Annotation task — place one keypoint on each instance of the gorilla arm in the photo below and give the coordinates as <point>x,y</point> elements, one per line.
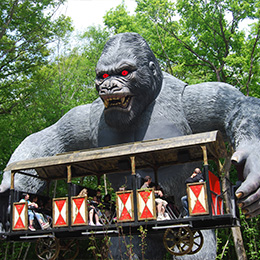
<point>71,132</point>
<point>219,106</point>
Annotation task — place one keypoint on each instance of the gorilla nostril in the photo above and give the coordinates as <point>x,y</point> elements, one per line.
<point>108,87</point>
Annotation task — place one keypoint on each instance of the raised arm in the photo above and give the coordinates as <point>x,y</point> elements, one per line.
<point>219,106</point>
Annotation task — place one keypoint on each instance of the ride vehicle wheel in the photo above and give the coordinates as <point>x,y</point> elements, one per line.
<point>47,248</point>
<point>69,249</point>
<point>197,242</point>
<point>178,241</point>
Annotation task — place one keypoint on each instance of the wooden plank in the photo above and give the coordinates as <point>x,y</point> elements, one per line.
<point>105,160</point>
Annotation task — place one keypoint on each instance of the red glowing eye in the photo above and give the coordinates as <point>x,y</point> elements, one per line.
<point>105,75</point>
<point>124,72</point>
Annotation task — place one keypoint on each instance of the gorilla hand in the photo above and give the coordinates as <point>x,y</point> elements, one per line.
<point>248,193</point>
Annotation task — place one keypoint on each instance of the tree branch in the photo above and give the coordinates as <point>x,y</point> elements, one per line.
<point>186,46</point>
<point>163,49</point>
<point>252,58</point>
<point>9,19</point>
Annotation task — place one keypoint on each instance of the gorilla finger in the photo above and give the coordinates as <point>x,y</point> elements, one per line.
<point>239,157</point>
<point>245,202</point>
<point>249,186</point>
<point>249,210</point>
<point>253,214</point>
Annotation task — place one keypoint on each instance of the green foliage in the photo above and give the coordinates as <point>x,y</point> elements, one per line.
<point>199,40</point>
<point>225,244</point>
<point>53,89</point>
<point>16,250</point>
<point>143,234</point>
<point>119,20</point>
<point>251,233</point>
<point>26,30</point>
<point>250,229</point>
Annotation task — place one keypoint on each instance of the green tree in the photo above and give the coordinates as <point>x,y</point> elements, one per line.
<point>69,80</point>
<point>27,28</point>
<point>199,40</point>
<point>66,81</point>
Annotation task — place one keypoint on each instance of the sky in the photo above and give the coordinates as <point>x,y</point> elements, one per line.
<point>85,13</point>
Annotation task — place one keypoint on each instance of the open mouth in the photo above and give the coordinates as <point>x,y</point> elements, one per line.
<point>121,102</point>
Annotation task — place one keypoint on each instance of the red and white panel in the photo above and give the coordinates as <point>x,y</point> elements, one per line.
<point>79,211</point>
<point>146,204</point>
<point>60,212</point>
<point>20,216</point>
<point>125,206</point>
<point>197,198</point>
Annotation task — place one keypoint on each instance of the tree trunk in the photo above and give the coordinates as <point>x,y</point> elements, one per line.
<point>236,231</point>
<point>239,245</point>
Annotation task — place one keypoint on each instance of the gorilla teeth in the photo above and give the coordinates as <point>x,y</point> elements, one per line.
<point>123,100</point>
<point>116,101</point>
<point>105,103</point>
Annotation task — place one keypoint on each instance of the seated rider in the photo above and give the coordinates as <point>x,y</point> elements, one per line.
<point>47,210</point>
<point>91,209</point>
<point>31,214</point>
<point>41,216</point>
<point>108,206</point>
<point>196,176</point>
<point>160,203</point>
<point>94,211</point>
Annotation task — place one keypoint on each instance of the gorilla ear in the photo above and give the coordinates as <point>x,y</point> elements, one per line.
<point>152,68</point>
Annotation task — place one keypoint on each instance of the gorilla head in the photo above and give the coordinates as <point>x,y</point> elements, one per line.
<point>128,79</point>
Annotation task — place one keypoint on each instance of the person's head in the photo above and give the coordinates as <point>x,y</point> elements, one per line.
<point>83,192</point>
<point>147,179</point>
<point>25,196</point>
<point>35,198</point>
<point>197,170</point>
<point>107,198</point>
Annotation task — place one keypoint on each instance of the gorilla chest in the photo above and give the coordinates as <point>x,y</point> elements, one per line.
<point>160,128</point>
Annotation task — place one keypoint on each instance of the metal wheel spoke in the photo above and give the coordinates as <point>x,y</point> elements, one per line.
<point>178,241</point>
<point>172,247</point>
<point>43,252</point>
<point>173,232</point>
<point>68,245</point>
<point>183,246</point>
<point>187,243</point>
<point>69,249</point>
<point>180,248</point>
<point>179,232</point>
<point>185,236</point>
<point>47,248</point>
<point>197,244</point>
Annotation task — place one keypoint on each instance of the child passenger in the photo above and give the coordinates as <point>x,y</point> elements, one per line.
<point>31,214</point>
<point>92,209</point>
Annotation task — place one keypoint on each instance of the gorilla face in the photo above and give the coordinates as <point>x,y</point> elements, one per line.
<point>128,79</point>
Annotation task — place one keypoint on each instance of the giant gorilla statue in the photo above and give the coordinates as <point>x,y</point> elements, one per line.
<point>138,102</point>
